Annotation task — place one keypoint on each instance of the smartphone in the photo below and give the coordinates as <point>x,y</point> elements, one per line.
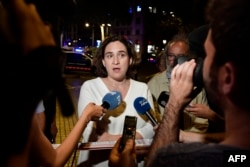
<point>129,130</point>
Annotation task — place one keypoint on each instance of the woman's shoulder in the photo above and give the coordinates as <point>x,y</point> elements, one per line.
<point>96,80</point>
<point>92,84</point>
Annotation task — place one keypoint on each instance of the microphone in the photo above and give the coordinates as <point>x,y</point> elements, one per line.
<point>142,106</point>
<point>163,99</point>
<point>111,100</point>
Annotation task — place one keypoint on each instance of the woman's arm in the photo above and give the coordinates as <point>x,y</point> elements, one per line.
<point>44,151</point>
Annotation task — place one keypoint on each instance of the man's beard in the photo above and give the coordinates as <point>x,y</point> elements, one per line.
<point>213,94</point>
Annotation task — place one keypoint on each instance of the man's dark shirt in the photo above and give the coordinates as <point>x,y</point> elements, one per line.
<point>194,155</point>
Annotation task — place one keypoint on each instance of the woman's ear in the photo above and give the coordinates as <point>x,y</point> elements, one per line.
<point>103,63</point>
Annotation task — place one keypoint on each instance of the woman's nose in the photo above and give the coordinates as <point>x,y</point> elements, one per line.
<point>116,59</point>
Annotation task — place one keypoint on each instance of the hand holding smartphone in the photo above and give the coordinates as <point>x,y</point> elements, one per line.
<point>129,130</point>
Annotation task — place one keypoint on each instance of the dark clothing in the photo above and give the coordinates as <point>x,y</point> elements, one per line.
<point>50,113</point>
<point>194,155</point>
<point>26,82</point>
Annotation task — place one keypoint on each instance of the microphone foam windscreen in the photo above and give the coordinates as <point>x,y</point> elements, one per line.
<point>141,105</point>
<point>113,98</point>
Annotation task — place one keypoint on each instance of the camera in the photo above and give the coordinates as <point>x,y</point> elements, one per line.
<point>197,77</point>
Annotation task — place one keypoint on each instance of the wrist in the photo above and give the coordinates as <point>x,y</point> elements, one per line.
<point>85,119</point>
<point>174,107</point>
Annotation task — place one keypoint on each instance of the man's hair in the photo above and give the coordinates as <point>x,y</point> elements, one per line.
<point>230,37</point>
<point>180,37</point>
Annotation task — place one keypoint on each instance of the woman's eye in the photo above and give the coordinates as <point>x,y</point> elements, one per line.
<point>122,54</point>
<point>109,55</point>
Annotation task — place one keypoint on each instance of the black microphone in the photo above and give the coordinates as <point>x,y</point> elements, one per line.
<point>163,99</point>
<point>142,106</point>
<point>111,100</point>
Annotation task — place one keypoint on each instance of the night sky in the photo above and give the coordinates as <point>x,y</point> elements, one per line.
<point>189,10</point>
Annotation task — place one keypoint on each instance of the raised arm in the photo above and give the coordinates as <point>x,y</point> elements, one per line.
<point>47,155</point>
<point>181,93</point>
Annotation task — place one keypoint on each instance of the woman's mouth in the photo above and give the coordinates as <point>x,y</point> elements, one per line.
<point>116,69</point>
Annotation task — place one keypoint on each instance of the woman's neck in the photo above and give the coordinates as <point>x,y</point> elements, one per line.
<point>115,85</point>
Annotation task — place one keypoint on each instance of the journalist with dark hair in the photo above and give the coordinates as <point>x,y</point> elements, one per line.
<point>36,69</point>
<point>226,80</point>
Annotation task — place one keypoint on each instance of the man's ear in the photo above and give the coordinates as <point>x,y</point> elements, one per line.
<point>227,77</point>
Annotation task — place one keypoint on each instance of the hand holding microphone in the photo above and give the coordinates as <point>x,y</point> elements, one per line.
<point>142,106</point>
<point>111,100</point>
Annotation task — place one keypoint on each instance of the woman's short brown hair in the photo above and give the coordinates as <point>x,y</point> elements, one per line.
<point>100,70</point>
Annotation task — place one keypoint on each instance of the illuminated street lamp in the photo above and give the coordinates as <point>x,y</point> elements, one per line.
<point>102,31</point>
<point>93,33</point>
<point>103,34</point>
<point>107,29</point>
<point>164,41</point>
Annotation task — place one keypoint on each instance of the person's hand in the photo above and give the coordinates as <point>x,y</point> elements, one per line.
<point>93,111</point>
<point>125,158</point>
<point>200,110</point>
<point>204,111</point>
<point>155,127</point>
<point>186,137</point>
<point>29,29</point>
<point>181,84</point>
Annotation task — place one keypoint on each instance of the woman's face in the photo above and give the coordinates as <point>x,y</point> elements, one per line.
<point>116,60</point>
